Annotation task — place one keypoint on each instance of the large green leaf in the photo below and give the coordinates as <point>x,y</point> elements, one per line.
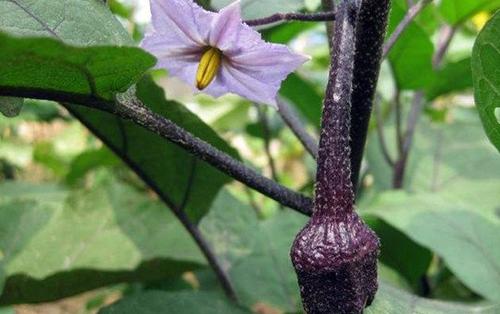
<point>179,178</point>
<point>269,266</point>
<point>457,11</point>
<point>184,302</point>
<point>465,235</point>
<point>390,300</point>
<point>486,74</point>
<point>442,156</point>
<point>266,264</point>
<point>56,242</point>
<point>81,23</point>
<point>411,56</point>
<point>45,64</point>
<point>229,227</point>
<point>400,253</point>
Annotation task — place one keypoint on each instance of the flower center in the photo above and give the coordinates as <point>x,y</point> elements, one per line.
<point>209,66</point>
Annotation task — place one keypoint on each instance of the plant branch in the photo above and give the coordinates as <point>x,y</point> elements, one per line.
<point>279,17</point>
<point>262,113</point>
<point>178,210</point>
<point>292,120</point>
<point>135,111</point>
<point>329,6</point>
<point>381,134</point>
<point>205,248</point>
<point>398,117</point>
<point>413,11</point>
<point>416,110</point>
<point>413,117</point>
<point>370,33</point>
<point>446,35</point>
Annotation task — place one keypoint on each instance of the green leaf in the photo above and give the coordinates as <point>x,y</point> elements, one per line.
<point>179,178</point>
<point>443,156</point>
<point>415,261</point>
<point>390,300</point>
<point>230,228</point>
<point>99,72</point>
<point>453,77</point>
<point>284,33</point>
<point>56,243</point>
<point>11,106</point>
<point>465,235</point>
<point>304,96</point>
<point>187,302</point>
<point>252,9</point>
<point>90,160</point>
<point>269,266</point>
<point>57,19</point>
<point>457,11</point>
<point>411,56</point>
<point>486,76</point>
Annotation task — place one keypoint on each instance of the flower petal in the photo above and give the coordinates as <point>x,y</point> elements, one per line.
<point>233,80</point>
<point>268,62</point>
<point>183,69</point>
<point>184,18</point>
<point>225,27</point>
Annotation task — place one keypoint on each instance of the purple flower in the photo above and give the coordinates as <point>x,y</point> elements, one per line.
<point>217,52</point>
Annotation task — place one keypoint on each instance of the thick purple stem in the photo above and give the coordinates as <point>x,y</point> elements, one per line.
<point>334,193</point>
<point>335,255</point>
<point>370,33</point>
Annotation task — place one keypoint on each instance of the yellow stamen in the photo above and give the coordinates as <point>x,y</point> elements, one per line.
<point>208,67</point>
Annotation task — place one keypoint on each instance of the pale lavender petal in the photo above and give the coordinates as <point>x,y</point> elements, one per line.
<point>270,63</point>
<point>182,69</point>
<point>250,67</point>
<point>175,56</point>
<point>182,18</point>
<point>232,80</point>
<point>225,27</point>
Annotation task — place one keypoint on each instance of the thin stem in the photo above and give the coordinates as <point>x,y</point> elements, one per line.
<point>132,109</point>
<point>413,11</point>
<point>329,6</point>
<point>177,210</point>
<point>417,107</point>
<point>292,120</point>
<point>279,17</point>
<point>205,248</point>
<point>370,34</point>
<point>252,202</point>
<point>262,113</point>
<point>381,134</point>
<point>446,35</point>
<point>398,116</point>
<point>413,117</point>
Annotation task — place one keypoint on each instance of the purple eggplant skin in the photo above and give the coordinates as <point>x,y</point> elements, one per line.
<point>335,254</point>
<point>336,265</point>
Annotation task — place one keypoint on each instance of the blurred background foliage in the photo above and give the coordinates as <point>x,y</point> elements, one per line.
<point>79,230</point>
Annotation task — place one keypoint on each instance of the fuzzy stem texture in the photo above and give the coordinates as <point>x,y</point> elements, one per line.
<point>305,17</point>
<point>335,255</point>
<point>370,33</point>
